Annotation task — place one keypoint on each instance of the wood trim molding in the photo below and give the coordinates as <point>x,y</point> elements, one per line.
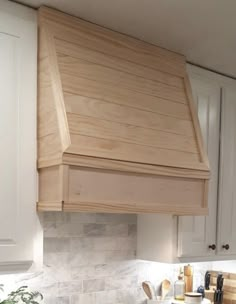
<point>50,206</point>
<point>102,163</point>
<point>56,86</point>
<point>116,208</point>
<point>196,123</point>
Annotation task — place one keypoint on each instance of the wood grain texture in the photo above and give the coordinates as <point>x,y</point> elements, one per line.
<point>130,167</point>
<point>229,286</point>
<point>105,85</point>
<point>48,130</point>
<point>126,132</point>
<point>117,95</point>
<point>113,149</point>
<point>96,37</point>
<point>111,207</point>
<point>78,50</point>
<point>82,189</point>
<point>75,67</point>
<point>121,102</point>
<point>97,108</point>
<point>196,124</point>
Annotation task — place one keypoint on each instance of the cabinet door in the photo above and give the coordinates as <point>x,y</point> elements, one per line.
<point>227,185</point>
<point>196,233</point>
<point>18,62</point>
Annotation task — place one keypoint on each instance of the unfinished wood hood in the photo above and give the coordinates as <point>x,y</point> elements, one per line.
<point>117,128</point>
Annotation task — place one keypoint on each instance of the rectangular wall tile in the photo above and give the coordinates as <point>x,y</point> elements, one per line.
<point>94,285</point>
<point>91,259</point>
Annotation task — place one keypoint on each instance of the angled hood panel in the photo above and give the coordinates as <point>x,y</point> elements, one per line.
<point>108,101</point>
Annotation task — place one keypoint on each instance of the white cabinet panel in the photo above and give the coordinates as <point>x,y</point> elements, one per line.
<point>9,139</point>
<point>18,65</point>
<point>227,186</point>
<point>195,234</point>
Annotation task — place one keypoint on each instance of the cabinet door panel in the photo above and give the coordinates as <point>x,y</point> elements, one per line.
<point>9,139</point>
<point>18,53</point>
<point>195,234</point>
<point>227,185</point>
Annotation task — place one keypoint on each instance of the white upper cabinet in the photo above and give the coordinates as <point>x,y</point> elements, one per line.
<point>197,233</point>
<point>212,237</point>
<point>215,96</point>
<point>227,185</point>
<point>18,66</point>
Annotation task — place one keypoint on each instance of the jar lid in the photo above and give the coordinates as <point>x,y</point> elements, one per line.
<point>193,294</point>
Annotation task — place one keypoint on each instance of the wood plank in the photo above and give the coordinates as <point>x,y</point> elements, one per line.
<point>115,94</point>
<point>75,29</point>
<point>113,112</point>
<point>50,206</point>
<point>74,67</point>
<point>129,191</point>
<point>85,206</point>
<point>131,134</point>
<point>47,118</point>
<point>196,124</point>
<point>56,87</point>
<point>91,146</point>
<point>124,166</point>
<point>51,184</point>
<point>76,49</point>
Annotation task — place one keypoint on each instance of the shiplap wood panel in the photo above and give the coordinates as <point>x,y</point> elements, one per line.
<point>125,132</point>
<point>65,27</point>
<point>119,103</point>
<point>97,108</point>
<point>113,149</point>
<point>114,94</point>
<point>75,67</point>
<point>76,50</point>
<point>78,73</point>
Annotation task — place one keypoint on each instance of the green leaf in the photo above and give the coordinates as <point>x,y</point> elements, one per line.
<point>23,295</point>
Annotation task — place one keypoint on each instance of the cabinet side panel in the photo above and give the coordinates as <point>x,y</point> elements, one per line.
<point>18,80</point>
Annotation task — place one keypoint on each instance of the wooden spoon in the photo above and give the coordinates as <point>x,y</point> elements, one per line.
<point>149,290</point>
<point>165,288</point>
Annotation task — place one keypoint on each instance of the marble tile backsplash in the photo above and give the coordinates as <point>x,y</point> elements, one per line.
<point>91,259</point>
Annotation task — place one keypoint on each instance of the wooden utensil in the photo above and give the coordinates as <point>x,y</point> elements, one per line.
<point>165,288</point>
<point>149,290</point>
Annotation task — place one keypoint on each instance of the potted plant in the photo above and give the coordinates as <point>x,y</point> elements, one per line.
<point>22,295</point>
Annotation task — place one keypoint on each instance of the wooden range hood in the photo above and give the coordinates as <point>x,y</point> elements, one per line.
<point>117,128</point>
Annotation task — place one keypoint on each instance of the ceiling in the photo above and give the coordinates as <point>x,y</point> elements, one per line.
<point>203,30</point>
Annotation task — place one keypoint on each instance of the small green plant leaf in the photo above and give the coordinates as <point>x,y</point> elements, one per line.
<point>23,295</point>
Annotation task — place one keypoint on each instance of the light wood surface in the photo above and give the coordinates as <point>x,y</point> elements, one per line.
<point>115,99</point>
<point>229,286</point>
<point>72,188</point>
